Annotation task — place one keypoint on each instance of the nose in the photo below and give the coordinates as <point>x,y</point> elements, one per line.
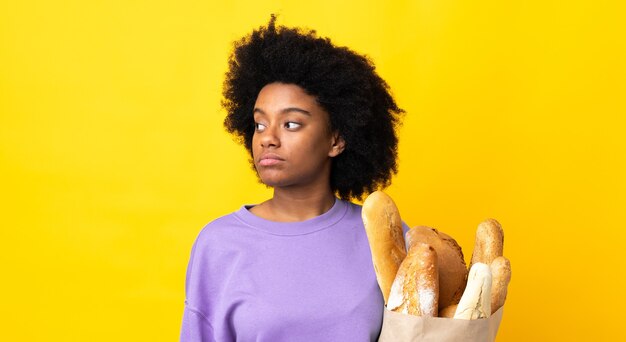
<point>269,137</point>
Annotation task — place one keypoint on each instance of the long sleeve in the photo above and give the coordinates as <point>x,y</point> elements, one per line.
<point>195,327</point>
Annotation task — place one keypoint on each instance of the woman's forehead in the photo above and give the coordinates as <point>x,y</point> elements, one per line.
<point>282,98</point>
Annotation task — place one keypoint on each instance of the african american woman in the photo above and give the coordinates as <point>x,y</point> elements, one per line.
<point>320,126</point>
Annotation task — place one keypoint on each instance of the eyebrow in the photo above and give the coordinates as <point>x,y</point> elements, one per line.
<point>286,110</point>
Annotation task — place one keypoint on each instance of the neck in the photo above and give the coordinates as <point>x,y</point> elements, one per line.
<point>300,204</point>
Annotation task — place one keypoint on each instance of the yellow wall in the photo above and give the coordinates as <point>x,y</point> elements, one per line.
<point>113,157</point>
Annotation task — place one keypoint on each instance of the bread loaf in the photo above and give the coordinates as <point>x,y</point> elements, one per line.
<point>448,311</point>
<point>451,264</point>
<point>416,287</point>
<point>476,300</point>
<point>500,278</point>
<point>489,242</point>
<point>383,226</point>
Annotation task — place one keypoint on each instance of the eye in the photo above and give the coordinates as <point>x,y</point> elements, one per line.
<point>259,127</point>
<point>292,125</point>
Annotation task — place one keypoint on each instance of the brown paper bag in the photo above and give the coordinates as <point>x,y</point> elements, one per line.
<point>399,327</point>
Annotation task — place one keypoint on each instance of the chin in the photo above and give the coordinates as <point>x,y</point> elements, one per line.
<point>270,179</point>
<point>273,182</point>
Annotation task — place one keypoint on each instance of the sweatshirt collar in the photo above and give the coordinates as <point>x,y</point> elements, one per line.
<point>327,219</point>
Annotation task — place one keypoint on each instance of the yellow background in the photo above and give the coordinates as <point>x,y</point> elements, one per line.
<point>113,155</point>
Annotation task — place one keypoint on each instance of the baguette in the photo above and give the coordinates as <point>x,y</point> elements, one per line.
<point>500,278</point>
<point>383,226</point>
<point>476,300</point>
<point>489,242</point>
<point>416,287</point>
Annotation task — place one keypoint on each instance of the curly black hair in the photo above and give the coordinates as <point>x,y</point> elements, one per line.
<point>345,84</point>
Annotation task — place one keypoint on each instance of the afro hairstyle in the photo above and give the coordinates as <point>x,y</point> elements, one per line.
<point>345,84</point>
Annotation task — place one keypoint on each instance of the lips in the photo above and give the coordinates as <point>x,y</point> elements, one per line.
<point>270,159</point>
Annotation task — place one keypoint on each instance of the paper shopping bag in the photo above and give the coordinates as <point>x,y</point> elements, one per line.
<point>399,327</point>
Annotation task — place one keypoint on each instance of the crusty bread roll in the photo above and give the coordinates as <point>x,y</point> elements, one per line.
<point>452,267</point>
<point>489,242</point>
<point>416,287</point>
<point>500,278</point>
<point>448,311</point>
<point>476,300</point>
<point>383,226</point>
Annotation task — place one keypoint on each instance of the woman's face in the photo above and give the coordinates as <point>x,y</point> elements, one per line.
<point>292,142</point>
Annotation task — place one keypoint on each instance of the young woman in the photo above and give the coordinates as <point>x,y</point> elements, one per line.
<point>319,124</point>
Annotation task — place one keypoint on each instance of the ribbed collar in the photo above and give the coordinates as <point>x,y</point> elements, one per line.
<point>327,219</point>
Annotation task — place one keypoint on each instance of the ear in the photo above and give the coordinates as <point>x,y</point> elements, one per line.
<point>338,145</point>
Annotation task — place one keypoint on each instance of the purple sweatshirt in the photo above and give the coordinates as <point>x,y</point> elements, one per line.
<point>251,279</point>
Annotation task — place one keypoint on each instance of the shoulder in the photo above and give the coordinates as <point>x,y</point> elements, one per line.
<point>352,213</point>
<point>353,208</point>
<point>219,224</point>
<point>215,231</point>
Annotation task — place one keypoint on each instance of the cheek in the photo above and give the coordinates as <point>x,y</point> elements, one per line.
<point>311,151</point>
<point>254,143</point>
